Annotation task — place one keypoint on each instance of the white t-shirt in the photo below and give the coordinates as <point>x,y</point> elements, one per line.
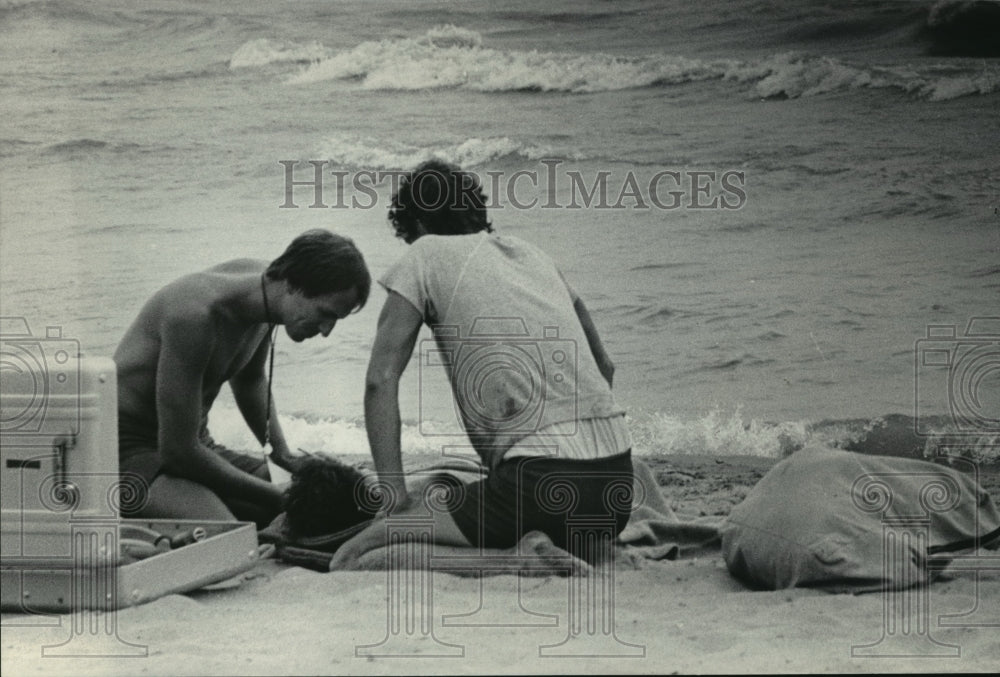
<point>508,336</point>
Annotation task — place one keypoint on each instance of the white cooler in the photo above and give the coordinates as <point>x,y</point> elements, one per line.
<point>62,535</point>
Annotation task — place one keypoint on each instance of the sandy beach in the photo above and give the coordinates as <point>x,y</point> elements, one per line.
<point>685,616</point>
<point>782,218</point>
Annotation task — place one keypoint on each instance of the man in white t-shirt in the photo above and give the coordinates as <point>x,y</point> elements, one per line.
<point>529,375</point>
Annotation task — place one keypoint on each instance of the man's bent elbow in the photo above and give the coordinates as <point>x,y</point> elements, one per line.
<point>177,461</point>
<point>379,382</point>
<point>607,370</point>
<point>175,467</point>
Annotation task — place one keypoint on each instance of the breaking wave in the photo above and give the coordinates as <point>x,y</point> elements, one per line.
<point>371,154</point>
<point>454,57</point>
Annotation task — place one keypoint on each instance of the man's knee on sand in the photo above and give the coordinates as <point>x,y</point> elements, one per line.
<point>159,494</point>
<point>169,497</point>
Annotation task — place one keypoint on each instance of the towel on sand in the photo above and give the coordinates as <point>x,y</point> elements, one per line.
<point>653,532</point>
<point>849,522</point>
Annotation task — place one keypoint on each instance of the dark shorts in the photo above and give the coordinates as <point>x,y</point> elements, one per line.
<point>576,503</point>
<point>140,462</point>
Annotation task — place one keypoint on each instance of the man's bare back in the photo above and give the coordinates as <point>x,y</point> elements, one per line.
<point>201,301</point>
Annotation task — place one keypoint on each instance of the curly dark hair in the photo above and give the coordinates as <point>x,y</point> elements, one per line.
<point>442,198</point>
<point>322,498</point>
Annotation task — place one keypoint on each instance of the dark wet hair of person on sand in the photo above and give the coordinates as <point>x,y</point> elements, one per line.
<point>323,498</point>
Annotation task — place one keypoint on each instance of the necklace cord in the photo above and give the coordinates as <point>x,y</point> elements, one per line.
<point>270,367</point>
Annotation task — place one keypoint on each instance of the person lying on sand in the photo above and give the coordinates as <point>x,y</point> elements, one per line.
<point>326,500</point>
<point>529,375</point>
<point>214,327</point>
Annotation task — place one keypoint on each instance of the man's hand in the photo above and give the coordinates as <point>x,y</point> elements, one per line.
<point>288,462</point>
<point>398,326</point>
<point>250,390</point>
<point>393,494</point>
<point>601,357</point>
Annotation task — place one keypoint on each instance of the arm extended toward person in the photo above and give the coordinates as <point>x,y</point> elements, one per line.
<point>604,363</point>
<point>187,343</point>
<point>250,391</point>
<point>398,327</point>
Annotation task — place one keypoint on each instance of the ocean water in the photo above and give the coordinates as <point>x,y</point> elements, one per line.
<point>794,193</point>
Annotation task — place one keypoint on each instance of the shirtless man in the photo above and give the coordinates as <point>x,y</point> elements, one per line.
<point>207,329</point>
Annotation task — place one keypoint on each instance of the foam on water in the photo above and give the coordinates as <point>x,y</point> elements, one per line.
<point>368,153</point>
<point>453,57</point>
<point>332,436</point>
<point>262,51</point>
<point>792,75</point>
<point>717,433</point>
<point>450,56</point>
<point>148,141</point>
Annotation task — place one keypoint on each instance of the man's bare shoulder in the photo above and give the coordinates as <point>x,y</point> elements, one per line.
<point>198,303</point>
<point>197,300</point>
<point>237,267</point>
<point>208,287</point>
<point>183,308</point>
<point>176,312</point>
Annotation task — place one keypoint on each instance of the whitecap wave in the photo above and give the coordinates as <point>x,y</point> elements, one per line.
<point>716,433</point>
<point>262,52</point>
<point>325,436</point>
<point>453,57</point>
<point>954,87</point>
<point>372,154</point>
<point>792,75</point>
<point>450,56</point>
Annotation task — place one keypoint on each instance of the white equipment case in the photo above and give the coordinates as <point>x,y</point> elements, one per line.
<point>64,544</point>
